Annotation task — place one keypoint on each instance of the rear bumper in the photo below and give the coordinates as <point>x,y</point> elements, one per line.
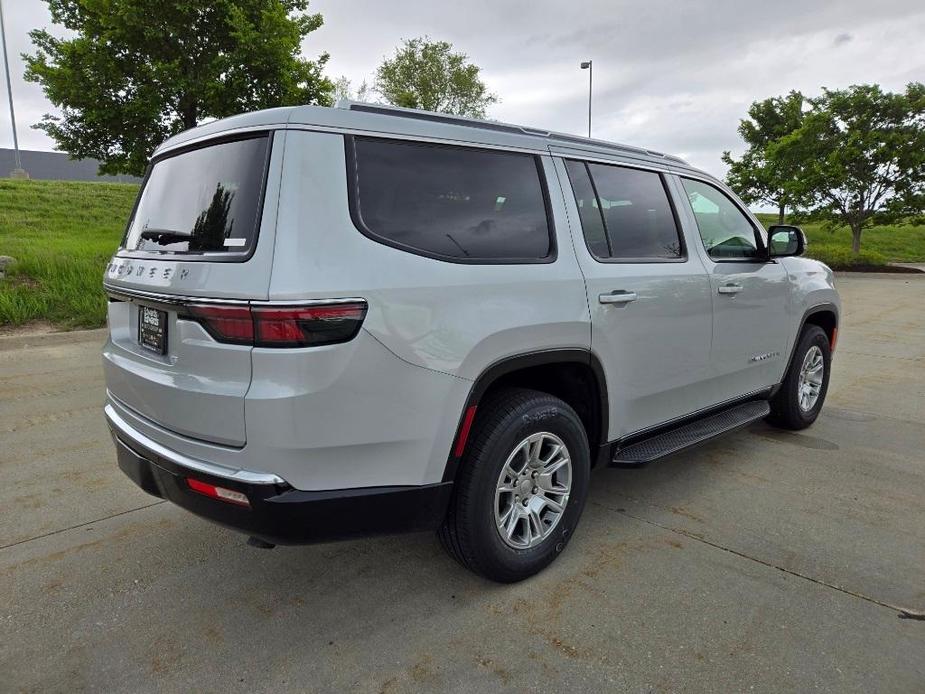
<point>278,513</point>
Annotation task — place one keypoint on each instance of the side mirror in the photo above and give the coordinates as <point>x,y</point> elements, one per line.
<point>785,240</point>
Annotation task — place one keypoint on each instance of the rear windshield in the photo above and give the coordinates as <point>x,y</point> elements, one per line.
<point>204,200</point>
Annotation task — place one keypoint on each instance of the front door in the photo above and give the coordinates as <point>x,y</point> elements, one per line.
<point>751,294</point>
<point>649,297</point>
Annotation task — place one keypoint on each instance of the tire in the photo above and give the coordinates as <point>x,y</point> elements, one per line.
<point>787,411</point>
<point>470,532</point>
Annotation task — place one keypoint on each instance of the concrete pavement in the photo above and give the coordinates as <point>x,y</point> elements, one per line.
<point>765,561</point>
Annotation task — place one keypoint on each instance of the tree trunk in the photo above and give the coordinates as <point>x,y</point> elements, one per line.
<point>780,213</point>
<point>188,109</point>
<point>855,238</point>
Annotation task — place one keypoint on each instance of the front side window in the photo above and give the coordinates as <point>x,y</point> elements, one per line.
<point>625,213</point>
<point>726,232</point>
<point>453,203</point>
<point>204,200</point>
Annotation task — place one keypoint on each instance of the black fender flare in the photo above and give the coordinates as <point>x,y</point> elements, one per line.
<point>825,307</point>
<point>517,362</point>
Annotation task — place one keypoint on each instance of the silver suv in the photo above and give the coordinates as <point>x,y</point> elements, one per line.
<point>327,323</point>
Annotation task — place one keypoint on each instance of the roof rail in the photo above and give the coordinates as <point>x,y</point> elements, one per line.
<point>388,110</point>
<point>434,117</point>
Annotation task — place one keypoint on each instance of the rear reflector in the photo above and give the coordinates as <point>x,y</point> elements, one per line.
<point>281,326</point>
<point>834,339</point>
<point>219,493</point>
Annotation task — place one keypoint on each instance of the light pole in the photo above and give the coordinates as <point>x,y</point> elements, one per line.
<point>587,65</point>
<point>18,172</point>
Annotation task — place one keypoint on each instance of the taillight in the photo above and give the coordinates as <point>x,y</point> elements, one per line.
<point>225,323</point>
<point>307,326</point>
<point>281,326</point>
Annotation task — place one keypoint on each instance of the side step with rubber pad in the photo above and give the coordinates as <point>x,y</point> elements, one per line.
<point>691,434</point>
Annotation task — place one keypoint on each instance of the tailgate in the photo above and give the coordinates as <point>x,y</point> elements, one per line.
<point>195,386</point>
<point>200,232</point>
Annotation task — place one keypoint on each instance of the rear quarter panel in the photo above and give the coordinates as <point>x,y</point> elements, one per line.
<point>450,317</point>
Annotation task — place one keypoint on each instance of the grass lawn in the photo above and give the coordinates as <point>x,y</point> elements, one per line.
<point>63,233</point>
<point>879,244</point>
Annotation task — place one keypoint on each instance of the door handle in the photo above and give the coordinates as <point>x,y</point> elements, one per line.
<point>730,288</point>
<point>617,297</point>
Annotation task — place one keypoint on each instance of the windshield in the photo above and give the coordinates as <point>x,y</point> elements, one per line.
<point>204,200</point>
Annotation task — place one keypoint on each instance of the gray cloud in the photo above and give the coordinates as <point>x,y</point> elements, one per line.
<point>669,75</point>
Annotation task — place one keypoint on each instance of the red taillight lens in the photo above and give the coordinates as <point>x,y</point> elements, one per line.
<point>307,326</point>
<point>226,323</point>
<point>281,326</point>
<point>219,493</point>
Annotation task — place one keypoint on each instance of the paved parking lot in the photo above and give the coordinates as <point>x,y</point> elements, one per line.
<point>765,561</point>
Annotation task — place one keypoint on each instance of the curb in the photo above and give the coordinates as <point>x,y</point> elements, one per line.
<point>12,342</point>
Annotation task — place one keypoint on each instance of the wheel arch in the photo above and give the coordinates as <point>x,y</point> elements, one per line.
<point>825,316</point>
<point>566,373</point>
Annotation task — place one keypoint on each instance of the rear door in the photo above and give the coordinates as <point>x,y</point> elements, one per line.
<point>751,293</point>
<point>651,310</point>
<point>201,231</point>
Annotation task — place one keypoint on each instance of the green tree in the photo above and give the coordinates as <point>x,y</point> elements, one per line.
<point>765,174</point>
<point>864,154</point>
<point>134,72</point>
<point>428,75</point>
<point>343,89</point>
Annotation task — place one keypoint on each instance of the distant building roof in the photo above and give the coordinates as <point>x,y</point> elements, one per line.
<point>57,166</point>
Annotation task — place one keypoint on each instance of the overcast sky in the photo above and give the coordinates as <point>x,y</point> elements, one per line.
<point>669,75</point>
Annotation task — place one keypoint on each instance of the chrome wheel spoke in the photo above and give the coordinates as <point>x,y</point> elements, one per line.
<point>554,505</point>
<point>510,525</point>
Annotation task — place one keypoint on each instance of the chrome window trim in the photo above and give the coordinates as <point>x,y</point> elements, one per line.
<point>613,161</point>
<point>127,294</point>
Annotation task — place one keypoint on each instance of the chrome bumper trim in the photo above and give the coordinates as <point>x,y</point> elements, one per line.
<point>124,430</point>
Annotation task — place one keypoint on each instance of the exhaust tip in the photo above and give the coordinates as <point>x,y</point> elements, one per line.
<point>261,544</point>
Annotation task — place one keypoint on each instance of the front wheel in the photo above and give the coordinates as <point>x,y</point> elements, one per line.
<point>521,486</point>
<point>799,400</point>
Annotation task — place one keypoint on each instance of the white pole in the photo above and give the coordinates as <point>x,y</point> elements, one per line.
<point>18,172</point>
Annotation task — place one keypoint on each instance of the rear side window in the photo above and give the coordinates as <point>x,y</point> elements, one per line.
<point>592,221</point>
<point>453,203</point>
<point>637,213</point>
<point>203,200</point>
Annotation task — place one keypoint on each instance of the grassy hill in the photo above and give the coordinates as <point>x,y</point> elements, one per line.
<point>63,233</point>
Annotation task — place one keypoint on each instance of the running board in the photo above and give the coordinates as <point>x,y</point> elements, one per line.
<point>691,434</point>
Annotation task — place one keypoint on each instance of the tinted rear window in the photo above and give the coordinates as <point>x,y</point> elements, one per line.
<point>204,200</point>
<point>450,202</point>
<point>637,214</point>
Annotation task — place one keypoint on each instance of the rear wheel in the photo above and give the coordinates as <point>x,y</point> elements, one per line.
<point>799,400</point>
<point>521,486</point>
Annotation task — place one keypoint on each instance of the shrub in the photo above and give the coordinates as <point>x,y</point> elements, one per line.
<point>841,257</point>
